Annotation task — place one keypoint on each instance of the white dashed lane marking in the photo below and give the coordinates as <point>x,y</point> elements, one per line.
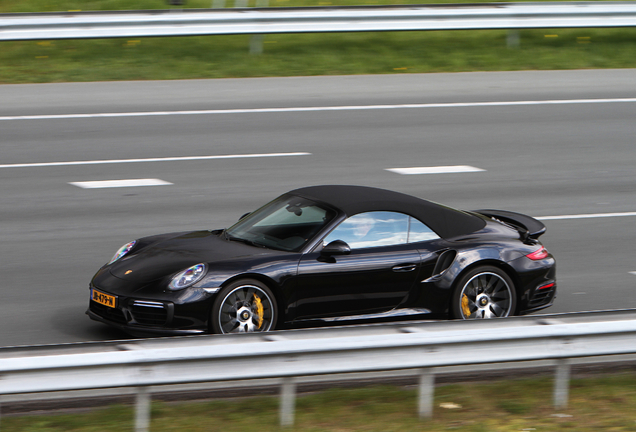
<point>436,170</point>
<point>102,184</point>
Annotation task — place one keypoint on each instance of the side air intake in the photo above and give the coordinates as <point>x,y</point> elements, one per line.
<point>444,261</point>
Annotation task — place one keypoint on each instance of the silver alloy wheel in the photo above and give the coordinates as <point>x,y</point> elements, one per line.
<point>246,308</point>
<point>486,295</point>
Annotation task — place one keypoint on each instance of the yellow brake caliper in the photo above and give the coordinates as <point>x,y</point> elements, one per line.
<point>259,310</point>
<point>465,308</point>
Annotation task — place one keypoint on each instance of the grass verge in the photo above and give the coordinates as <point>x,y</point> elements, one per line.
<point>313,54</point>
<point>601,403</point>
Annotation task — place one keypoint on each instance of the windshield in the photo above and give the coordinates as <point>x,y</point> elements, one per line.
<point>287,223</point>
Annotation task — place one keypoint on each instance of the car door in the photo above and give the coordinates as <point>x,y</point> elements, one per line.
<point>376,276</point>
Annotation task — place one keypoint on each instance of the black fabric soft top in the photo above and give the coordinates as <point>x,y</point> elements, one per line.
<point>445,221</point>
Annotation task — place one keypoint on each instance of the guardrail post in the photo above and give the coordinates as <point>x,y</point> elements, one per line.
<point>562,383</point>
<point>256,44</point>
<point>256,41</point>
<point>287,402</point>
<point>142,410</point>
<point>512,39</point>
<point>426,393</point>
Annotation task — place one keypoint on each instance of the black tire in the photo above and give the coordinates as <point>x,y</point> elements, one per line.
<point>484,292</point>
<point>246,305</point>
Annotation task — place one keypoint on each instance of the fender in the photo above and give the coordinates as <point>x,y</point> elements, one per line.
<point>463,260</point>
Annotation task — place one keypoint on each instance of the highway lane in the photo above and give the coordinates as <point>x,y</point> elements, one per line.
<point>134,96</point>
<point>544,160</point>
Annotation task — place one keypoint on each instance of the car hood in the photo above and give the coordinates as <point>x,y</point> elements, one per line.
<point>170,255</point>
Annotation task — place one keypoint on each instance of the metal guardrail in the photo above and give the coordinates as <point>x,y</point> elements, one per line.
<point>290,357</point>
<point>190,22</point>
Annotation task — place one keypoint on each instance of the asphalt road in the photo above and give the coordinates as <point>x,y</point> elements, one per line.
<point>574,157</point>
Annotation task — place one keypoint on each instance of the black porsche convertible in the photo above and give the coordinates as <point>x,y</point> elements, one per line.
<point>328,254</point>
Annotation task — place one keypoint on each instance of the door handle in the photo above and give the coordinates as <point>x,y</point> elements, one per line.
<point>404,268</point>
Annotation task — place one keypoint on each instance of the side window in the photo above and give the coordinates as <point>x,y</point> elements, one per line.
<point>372,229</point>
<point>419,232</point>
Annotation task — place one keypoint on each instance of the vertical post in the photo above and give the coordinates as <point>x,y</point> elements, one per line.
<point>562,384</point>
<point>256,44</point>
<point>142,410</point>
<point>512,40</point>
<point>426,393</point>
<point>218,4</point>
<point>256,41</point>
<point>287,402</point>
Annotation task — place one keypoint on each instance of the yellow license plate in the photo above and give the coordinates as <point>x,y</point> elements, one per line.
<point>101,298</point>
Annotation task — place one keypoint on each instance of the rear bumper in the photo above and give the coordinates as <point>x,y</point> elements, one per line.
<point>538,308</point>
<point>537,283</point>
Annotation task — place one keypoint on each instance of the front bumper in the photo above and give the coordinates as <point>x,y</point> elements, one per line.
<point>140,331</point>
<point>184,315</point>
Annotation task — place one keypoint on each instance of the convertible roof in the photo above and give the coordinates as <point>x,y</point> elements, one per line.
<point>445,221</point>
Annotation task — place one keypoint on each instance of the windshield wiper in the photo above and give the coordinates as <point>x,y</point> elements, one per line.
<point>242,240</point>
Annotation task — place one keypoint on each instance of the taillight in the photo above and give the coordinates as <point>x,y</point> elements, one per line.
<point>539,254</point>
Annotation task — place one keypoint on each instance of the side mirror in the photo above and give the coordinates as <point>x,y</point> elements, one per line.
<point>336,247</point>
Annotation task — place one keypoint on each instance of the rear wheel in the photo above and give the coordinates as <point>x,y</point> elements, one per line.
<point>244,306</point>
<point>484,292</point>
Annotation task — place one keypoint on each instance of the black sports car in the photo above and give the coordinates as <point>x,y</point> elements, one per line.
<point>328,253</point>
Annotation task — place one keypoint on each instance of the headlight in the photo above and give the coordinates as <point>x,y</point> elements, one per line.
<point>122,251</point>
<point>188,277</point>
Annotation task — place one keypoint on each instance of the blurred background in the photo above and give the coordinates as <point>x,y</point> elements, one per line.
<point>309,109</point>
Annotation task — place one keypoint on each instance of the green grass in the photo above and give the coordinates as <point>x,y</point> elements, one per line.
<point>596,404</point>
<point>299,54</point>
<point>313,54</point>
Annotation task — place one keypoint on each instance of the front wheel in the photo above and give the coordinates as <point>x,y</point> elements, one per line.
<point>484,292</point>
<point>244,306</point>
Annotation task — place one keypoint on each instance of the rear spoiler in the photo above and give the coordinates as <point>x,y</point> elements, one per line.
<point>527,226</point>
